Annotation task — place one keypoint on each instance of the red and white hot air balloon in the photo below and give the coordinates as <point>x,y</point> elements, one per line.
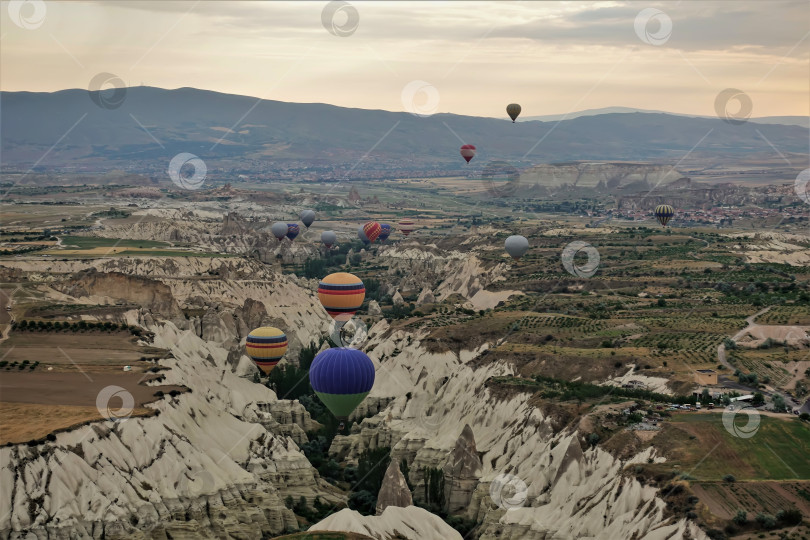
<point>468,152</point>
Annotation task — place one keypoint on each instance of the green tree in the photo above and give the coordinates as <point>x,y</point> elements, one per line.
<point>758,400</point>
<point>741,518</point>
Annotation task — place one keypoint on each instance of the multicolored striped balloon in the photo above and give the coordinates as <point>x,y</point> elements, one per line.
<point>341,294</point>
<point>292,231</point>
<point>385,231</point>
<point>664,212</point>
<point>342,378</point>
<point>265,346</point>
<point>372,230</point>
<point>406,226</point>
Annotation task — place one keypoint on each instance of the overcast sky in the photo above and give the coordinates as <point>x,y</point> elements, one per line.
<point>550,57</point>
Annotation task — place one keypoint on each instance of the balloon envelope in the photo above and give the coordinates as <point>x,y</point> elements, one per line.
<point>468,152</point>
<point>265,346</point>
<point>372,230</point>
<point>407,226</point>
<point>341,294</point>
<point>513,110</point>
<point>341,378</point>
<point>385,231</point>
<point>307,217</point>
<point>516,246</point>
<point>664,212</point>
<point>292,231</point>
<point>362,236</point>
<point>279,230</point>
<point>328,238</point>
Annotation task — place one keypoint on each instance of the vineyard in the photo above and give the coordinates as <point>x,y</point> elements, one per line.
<point>786,315</point>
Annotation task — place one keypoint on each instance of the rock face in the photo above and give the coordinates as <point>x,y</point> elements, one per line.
<point>462,472</point>
<point>374,308</point>
<point>397,299</point>
<point>148,293</point>
<point>606,175</point>
<point>394,490</point>
<point>425,297</point>
<point>411,523</point>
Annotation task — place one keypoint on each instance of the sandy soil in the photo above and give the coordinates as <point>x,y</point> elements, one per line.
<point>22,422</point>
<point>77,389</point>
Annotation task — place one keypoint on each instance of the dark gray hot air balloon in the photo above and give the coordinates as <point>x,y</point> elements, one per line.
<point>361,234</point>
<point>279,230</point>
<point>513,110</point>
<point>328,238</point>
<point>307,217</point>
<point>516,246</point>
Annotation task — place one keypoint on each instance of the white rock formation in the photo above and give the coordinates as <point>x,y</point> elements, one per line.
<point>413,523</point>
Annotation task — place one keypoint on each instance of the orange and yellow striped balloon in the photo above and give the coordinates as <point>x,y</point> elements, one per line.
<point>341,294</point>
<point>265,346</point>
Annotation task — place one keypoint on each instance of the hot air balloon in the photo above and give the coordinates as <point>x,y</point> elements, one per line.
<point>372,230</point>
<point>279,230</point>
<point>385,231</point>
<point>341,294</point>
<point>406,226</point>
<point>292,231</point>
<point>516,246</point>
<point>362,236</point>
<point>328,238</point>
<point>265,346</point>
<point>664,212</point>
<point>307,217</point>
<point>513,110</point>
<point>342,378</point>
<point>468,152</point>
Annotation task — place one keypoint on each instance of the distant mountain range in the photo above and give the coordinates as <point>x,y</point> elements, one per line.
<point>152,125</point>
<point>801,121</point>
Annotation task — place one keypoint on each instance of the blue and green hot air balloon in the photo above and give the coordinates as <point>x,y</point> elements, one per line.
<point>342,378</point>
